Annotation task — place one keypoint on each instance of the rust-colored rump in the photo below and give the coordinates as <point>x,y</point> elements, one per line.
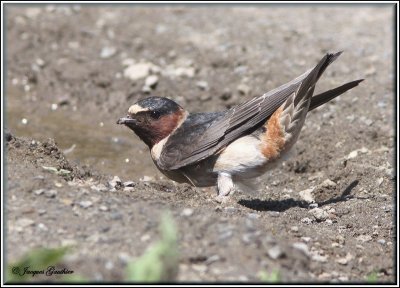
<point>273,140</point>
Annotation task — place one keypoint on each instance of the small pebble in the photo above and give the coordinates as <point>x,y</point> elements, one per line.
<point>364,238</point>
<point>345,260</point>
<point>379,182</point>
<point>39,191</point>
<point>50,193</point>
<point>146,178</point>
<point>275,252</point>
<point>137,71</point>
<point>212,259</point>
<point>294,228</point>
<point>187,212</point>
<point>99,188</point>
<point>328,183</point>
<point>253,216</point>
<point>24,121</point>
<point>115,182</point>
<point>381,241</point>
<point>103,208</point>
<point>129,184</point>
<point>42,211</point>
<point>40,62</point>
<point>307,195</point>
<point>203,85</point>
<point>109,265</point>
<point>319,214</point>
<point>42,227</point>
<point>306,220</point>
<point>319,258</point>
<point>145,238</point>
<point>244,89</point>
<point>352,154</point>
<point>151,81</point>
<point>107,52</point>
<point>302,247</point>
<point>185,72</point>
<point>85,204</point>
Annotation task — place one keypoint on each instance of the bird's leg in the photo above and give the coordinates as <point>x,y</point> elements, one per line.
<point>225,187</point>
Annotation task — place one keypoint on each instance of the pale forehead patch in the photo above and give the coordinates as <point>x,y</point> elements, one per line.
<point>134,109</point>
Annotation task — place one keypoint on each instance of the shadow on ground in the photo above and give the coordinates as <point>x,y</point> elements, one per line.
<point>283,205</point>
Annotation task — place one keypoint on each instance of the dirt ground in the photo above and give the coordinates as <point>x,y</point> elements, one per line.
<point>72,71</point>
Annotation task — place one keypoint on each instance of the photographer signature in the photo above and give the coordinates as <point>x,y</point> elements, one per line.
<point>49,271</point>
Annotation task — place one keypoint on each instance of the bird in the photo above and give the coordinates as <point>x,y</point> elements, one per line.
<point>231,147</point>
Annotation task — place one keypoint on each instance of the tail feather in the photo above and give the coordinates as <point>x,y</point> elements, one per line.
<point>307,86</point>
<point>326,96</point>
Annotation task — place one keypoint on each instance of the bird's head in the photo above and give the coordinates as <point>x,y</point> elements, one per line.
<point>154,119</point>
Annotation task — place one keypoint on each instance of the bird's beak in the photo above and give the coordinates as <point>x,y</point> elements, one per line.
<point>126,120</point>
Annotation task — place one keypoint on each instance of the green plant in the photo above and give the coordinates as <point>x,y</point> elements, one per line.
<point>372,277</point>
<point>272,277</point>
<point>160,262</point>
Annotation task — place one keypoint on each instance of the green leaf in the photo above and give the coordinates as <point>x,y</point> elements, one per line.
<point>272,277</point>
<point>161,261</point>
<point>372,277</point>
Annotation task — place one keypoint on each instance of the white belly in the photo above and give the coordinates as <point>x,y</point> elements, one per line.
<point>242,156</point>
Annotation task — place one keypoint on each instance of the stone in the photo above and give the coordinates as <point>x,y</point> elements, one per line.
<point>306,220</point>
<point>319,214</point>
<point>50,193</point>
<point>85,204</point>
<point>345,260</point>
<point>108,52</point>
<point>137,71</point>
<point>244,89</point>
<point>307,195</point>
<point>328,183</point>
<point>364,238</point>
<point>202,85</point>
<point>301,247</point>
<point>275,252</point>
<point>187,212</point>
<point>116,181</point>
<point>151,81</point>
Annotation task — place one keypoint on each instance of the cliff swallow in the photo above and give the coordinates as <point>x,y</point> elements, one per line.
<point>228,147</point>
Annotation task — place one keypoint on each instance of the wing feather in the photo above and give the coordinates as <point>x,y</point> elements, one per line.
<point>222,128</point>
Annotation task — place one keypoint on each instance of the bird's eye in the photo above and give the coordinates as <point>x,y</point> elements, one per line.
<point>155,114</point>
